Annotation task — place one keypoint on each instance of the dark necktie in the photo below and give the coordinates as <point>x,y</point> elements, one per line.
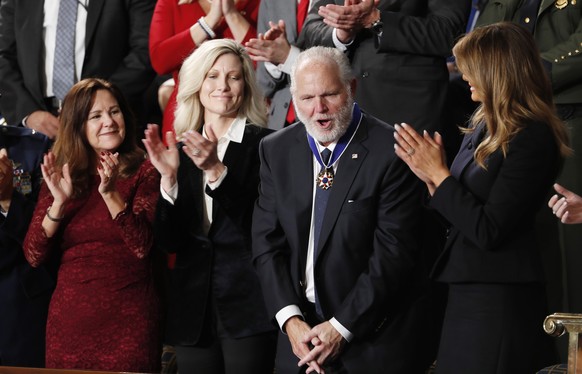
<point>64,63</point>
<point>321,198</point>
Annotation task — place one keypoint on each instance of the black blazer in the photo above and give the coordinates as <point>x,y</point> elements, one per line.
<point>402,76</point>
<point>24,291</point>
<point>366,267</point>
<point>216,267</point>
<point>492,212</point>
<point>116,49</point>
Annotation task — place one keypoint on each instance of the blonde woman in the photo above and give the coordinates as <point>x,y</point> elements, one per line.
<point>179,27</point>
<point>216,315</point>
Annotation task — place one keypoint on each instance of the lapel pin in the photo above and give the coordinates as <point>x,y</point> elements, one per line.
<point>354,156</point>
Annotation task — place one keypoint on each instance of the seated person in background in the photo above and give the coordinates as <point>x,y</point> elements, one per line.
<point>568,207</point>
<point>217,319</point>
<point>24,291</point>
<point>95,210</point>
<point>180,26</point>
<point>489,198</point>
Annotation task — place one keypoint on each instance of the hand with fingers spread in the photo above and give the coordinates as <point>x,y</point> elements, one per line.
<point>568,207</point>
<point>165,159</point>
<point>424,155</point>
<point>327,345</point>
<point>57,180</point>
<point>272,46</point>
<point>203,153</point>
<point>296,329</point>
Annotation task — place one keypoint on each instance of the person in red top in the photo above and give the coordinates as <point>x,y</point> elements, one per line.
<point>180,26</point>
<point>95,211</point>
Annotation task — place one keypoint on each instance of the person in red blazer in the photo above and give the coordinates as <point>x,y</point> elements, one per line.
<point>499,180</point>
<point>180,26</point>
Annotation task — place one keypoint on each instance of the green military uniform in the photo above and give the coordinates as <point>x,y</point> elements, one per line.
<point>558,34</point>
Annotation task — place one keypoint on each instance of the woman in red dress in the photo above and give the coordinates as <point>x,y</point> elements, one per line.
<point>180,26</point>
<point>95,211</point>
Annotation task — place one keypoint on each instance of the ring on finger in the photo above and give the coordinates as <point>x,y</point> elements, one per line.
<point>196,152</point>
<point>411,151</point>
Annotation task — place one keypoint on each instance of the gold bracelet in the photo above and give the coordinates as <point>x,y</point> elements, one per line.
<point>54,219</point>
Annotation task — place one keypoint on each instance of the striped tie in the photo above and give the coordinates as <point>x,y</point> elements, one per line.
<point>64,64</point>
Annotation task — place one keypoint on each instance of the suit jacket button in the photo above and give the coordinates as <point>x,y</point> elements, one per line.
<point>301,283</point>
<point>365,74</point>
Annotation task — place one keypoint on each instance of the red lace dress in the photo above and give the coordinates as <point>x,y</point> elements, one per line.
<point>104,313</point>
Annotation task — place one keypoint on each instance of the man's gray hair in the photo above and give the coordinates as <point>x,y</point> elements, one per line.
<point>323,55</point>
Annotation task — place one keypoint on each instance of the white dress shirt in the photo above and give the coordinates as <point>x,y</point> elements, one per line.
<point>235,134</point>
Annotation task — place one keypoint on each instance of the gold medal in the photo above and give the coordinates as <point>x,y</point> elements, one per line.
<point>561,4</point>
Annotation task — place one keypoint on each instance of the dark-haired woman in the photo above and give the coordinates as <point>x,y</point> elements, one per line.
<point>95,211</point>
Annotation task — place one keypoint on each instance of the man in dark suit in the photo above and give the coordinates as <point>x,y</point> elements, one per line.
<point>397,50</point>
<point>341,277</point>
<point>24,291</point>
<point>115,48</point>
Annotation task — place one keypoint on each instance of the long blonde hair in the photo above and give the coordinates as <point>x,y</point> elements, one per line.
<point>189,113</point>
<point>503,62</point>
<point>72,146</point>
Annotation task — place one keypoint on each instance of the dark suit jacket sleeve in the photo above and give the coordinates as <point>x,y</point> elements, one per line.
<point>314,31</point>
<point>565,57</point>
<point>431,34</point>
<point>170,223</point>
<point>270,248</point>
<point>134,73</point>
<point>16,101</point>
<point>488,207</point>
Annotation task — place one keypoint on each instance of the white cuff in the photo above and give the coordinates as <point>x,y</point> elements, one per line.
<point>273,70</point>
<point>338,44</point>
<point>290,61</point>
<point>284,314</point>
<point>214,185</point>
<point>171,195</point>
<point>341,329</point>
